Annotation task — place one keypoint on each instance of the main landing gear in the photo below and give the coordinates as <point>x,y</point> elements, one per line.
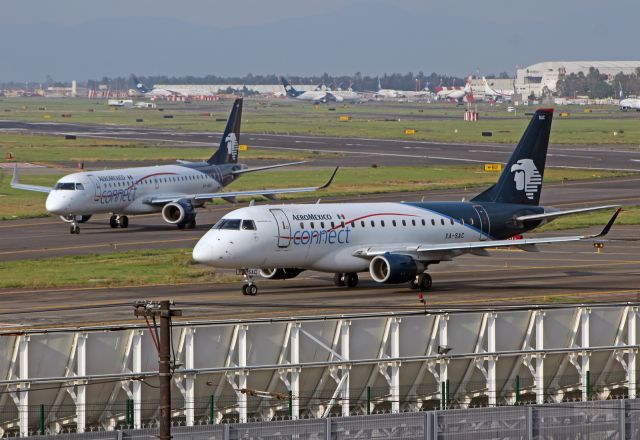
<point>345,279</point>
<point>421,282</point>
<point>121,221</point>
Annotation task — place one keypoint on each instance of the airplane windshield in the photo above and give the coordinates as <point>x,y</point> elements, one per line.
<point>227,223</point>
<point>65,186</point>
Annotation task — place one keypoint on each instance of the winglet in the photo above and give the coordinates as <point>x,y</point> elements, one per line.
<point>14,179</point>
<point>608,226</point>
<point>330,179</point>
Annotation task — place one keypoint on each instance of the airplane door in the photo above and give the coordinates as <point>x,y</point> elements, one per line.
<point>97,187</point>
<point>484,224</point>
<point>284,228</point>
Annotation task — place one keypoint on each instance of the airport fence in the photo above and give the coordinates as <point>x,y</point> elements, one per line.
<point>615,419</point>
<point>215,413</point>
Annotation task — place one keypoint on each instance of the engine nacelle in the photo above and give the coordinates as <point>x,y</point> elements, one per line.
<point>339,99</point>
<point>393,269</point>
<point>180,212</point>
<point>273,273</point>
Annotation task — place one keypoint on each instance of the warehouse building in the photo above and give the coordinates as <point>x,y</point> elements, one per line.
<point>543,77</point>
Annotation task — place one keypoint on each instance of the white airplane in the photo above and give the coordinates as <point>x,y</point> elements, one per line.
<point>496,93</point>
<point>174,190</point>
<point>165,93</point>
<point>628,103</point>
<point>320,94</point>
<point>395,242</point>
<point>456,94</point>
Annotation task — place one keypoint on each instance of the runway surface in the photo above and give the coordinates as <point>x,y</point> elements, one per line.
<point>570,273</point>
<point>47,237</point>
<point>356,151</point>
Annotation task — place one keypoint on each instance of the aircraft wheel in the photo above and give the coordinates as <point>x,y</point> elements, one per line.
<point>414,283</point>
<point>74,228</point>
<point>338,279</point>
<point>351,280</point>
<point>113,221</point>
<point>244,289</point>
<point>123,221</point>
<point>252,290</point>
<point>191,224</point>
<point>425,282</point>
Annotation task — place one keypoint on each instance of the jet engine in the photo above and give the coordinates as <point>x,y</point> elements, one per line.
<point>273,273</point>
<point>393,269</point>
<point>179,213</point>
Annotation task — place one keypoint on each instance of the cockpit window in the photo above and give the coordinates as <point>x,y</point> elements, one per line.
<point>226,223</point>
<point>248,225</point>
<point>79,186</point>
<point>65,186</point>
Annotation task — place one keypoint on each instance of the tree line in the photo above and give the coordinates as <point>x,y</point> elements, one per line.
<point>598,85</point>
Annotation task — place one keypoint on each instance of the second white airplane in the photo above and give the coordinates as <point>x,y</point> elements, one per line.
<point>174,190</point>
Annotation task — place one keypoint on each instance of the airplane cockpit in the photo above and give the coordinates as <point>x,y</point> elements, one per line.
<point>69,186</point>
<point>235,224</point>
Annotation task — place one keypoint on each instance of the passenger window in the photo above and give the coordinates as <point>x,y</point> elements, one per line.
<point>442,221</point>
<point>424,223</point>
<point>413,222</point>
<point>382,223</point>
<point>373,224</point>
<point>322,225</point>
<point>342,224</point>
<point>462,221</point>
<point>393,222</point>
<point>312,227</point>
<point>452,222</point>
<point>353,224</point>
<point>362,223</point>
<point>433,222</point>
<point>248,225</point>
<point>301,225</point>
<point>471,221</point>
<point>333,225</point>
<point>404,223</point>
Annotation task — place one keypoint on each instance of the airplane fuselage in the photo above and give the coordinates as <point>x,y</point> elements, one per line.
<point>324,237</point>
<point>128,191</point>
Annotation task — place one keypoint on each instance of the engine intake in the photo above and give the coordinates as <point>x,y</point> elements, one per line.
<point>393,269</point>
<point>177,213</point>
<point>285,273</point>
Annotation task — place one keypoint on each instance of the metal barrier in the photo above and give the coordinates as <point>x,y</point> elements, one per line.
<point>617,419</point>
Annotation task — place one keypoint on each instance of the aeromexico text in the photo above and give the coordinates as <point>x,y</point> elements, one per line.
<point>304,217</point>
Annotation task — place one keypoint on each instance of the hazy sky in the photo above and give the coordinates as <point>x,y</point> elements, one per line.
<point>89,38</point>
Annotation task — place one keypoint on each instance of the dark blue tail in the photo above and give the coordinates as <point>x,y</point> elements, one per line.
<point>140,87</point>
<point>291,92</point>
<point>521,180</point>
<point>228,150</point>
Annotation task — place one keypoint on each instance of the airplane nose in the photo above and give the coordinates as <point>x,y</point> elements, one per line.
<point>203,252</point>
<point>56,204</point>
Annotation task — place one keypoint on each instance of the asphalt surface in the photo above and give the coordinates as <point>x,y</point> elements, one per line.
<point>49,237</point>
<point>355,151</point>
<point>570,273</point>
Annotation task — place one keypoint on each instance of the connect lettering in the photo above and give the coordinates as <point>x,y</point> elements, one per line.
<point>306,237</point>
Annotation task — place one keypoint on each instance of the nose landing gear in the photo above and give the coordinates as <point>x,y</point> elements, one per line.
<point>249,287</point>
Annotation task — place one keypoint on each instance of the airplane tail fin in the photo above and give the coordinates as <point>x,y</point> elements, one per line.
<point>228,150</point>
<point>521,180</point>
<point>140,87</point>
<point>289,89</point>
<point>621,93</point>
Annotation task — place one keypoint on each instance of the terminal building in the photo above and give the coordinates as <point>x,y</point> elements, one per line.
<point>542,77</point>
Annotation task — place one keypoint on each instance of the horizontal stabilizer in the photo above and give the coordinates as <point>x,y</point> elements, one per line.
<point>555,214</point>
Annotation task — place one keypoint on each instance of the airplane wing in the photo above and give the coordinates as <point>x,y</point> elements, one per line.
<point>555,214</point>
<point>268,167</point>
<point>423,251</point>
<point>17,185</point>
<point>231,195</point>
